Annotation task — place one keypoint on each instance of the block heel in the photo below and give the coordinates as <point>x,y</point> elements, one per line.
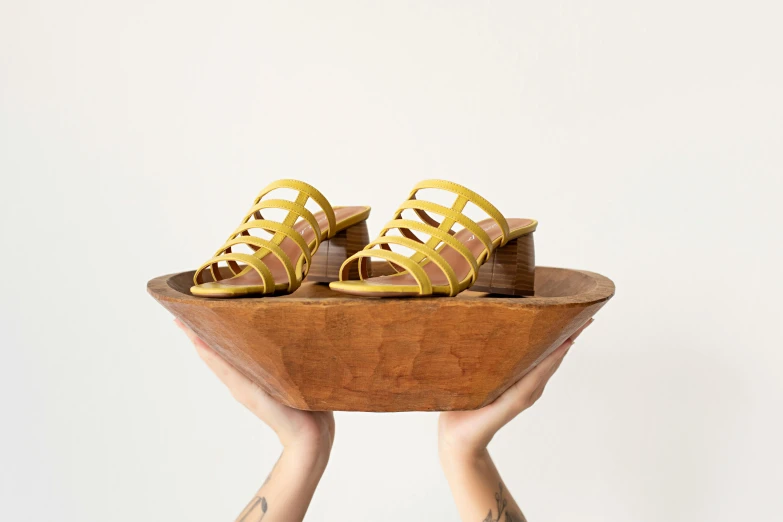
<point>510,270</point>
<point>333,253</point>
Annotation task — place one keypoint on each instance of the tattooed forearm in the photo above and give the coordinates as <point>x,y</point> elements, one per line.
<point>255,511</point>
<point>270,473</point>
<point>502,502</point>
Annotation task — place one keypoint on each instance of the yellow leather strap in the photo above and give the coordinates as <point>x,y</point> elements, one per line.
<point>465,195</point>
<point>279,228</point>
<point>295,269</point>
<point>418,273</point>
<point>305,191</point>
<point>290,206</point>
<point>428,253</point>
<point>440,236</point>
<point>261,268</point>
<point>449,240</point>
<point>456,217</point>
<point>279,253</point>
<point>294,209</point>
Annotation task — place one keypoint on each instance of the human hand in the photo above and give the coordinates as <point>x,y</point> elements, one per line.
<point>466,434</point>
<point>308,433</point>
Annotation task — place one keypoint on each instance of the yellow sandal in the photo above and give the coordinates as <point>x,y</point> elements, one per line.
<point>494,255</point>
<point>294,245</point>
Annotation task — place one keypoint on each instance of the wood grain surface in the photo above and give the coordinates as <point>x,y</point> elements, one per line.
<point>320,350</point>
<point>330,256</point>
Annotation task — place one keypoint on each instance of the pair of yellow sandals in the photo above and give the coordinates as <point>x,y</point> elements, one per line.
<point>492,255</point>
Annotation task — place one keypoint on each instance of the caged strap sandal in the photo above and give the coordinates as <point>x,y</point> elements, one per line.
<point>301,244</point>
<point>495,255</point>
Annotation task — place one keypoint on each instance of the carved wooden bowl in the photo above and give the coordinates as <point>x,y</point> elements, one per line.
<point>320,350</point>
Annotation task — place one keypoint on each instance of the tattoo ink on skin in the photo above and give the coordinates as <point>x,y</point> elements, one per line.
<point>501,507</point>
<point>255,511</point>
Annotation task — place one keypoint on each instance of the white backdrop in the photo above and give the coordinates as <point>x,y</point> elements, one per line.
<point>645,137</point>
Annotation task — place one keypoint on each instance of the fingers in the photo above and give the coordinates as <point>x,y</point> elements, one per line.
<point>555,359</point>
<point>219,366</point>
<point>546,368</point>
<point>242,389</point>
<point>285,421</point>
<point>544,371</point>
<point>581,329</point>
<point>201,346</point>
<point>190,333</point>
<point>526,391</point>
<point>529,389</point>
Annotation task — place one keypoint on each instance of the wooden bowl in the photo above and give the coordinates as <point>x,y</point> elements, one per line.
<point>320,350</point>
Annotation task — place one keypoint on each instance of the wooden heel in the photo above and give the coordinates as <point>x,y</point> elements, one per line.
<point>510,270</point>
<point>332,253</point>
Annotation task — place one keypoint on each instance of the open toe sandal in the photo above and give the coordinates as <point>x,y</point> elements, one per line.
<point>492,255</point>
<point>301,244</point>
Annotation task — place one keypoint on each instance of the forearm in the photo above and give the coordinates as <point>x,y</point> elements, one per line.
<point>478,490</point>
<point>286,493</point>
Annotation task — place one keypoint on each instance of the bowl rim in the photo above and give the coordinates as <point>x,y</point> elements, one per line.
<point>602,289</point>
